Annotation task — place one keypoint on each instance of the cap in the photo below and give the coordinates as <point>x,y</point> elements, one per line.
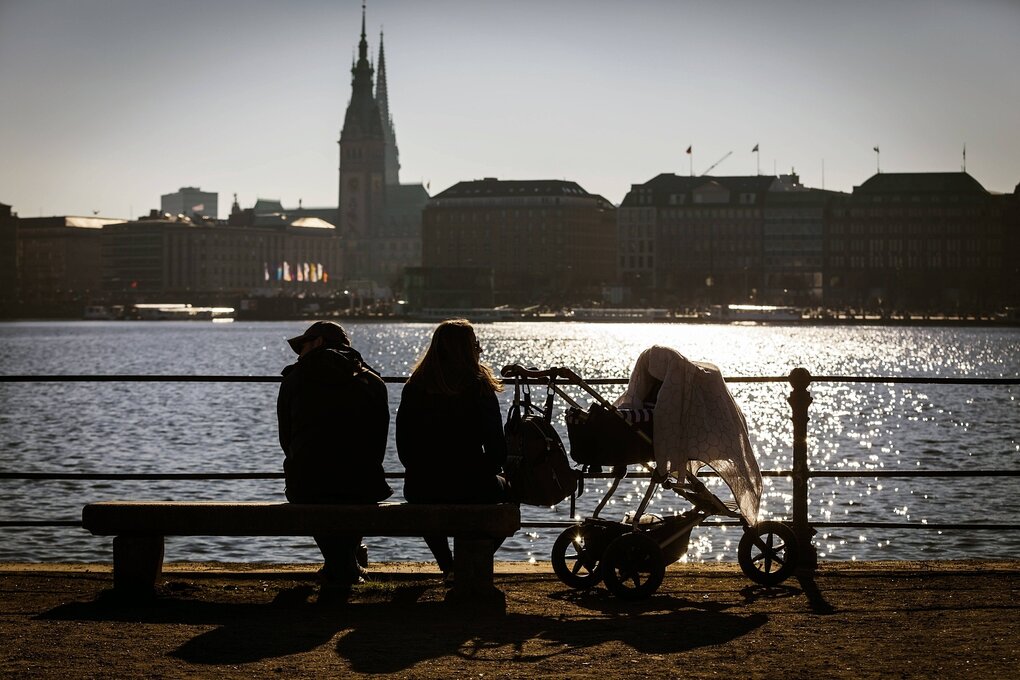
<point>331,331</point>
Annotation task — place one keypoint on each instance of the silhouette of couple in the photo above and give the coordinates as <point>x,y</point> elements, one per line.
<point>333,417</point>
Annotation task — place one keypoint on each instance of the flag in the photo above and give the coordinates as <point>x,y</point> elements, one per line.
<point>755,149</point>
<point>689,149</point>
<point>876,149</point>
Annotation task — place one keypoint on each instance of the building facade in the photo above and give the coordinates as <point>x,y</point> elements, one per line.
<point>710,240</point>
<point>55,269</point>
<point>921,241</point>
<point>161,259</point>
<point>547,241</point>
<point>900,241</point>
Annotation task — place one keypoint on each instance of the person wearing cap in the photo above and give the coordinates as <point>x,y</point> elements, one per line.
<point>333,413</point>
<point>450,430</point>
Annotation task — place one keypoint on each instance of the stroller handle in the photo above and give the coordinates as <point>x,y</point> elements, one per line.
<point>565,374</point>
<point>518,371</point>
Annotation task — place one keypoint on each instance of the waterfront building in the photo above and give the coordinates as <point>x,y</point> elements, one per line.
<point>914,242</point>
<point>8,261</point>
<point>379,218</point>
<point>936,241</point>
<point>54,263</point>
<point>546,241</point>
<point>711,240</point>
<point>177,259</point>
<point>190,201</point>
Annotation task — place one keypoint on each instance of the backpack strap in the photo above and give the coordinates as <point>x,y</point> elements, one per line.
<point>549,394</point>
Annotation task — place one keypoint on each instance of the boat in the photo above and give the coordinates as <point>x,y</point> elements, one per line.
<point>619,314</point>
<point>180,312</point>
<point>728,313</point>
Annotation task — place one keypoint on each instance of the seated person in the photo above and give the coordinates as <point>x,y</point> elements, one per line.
<point>450,429</point>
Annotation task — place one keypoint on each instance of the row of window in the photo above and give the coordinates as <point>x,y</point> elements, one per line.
<point>931,261</point>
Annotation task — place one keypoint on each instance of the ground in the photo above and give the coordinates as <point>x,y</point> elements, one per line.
<point>860,620</point>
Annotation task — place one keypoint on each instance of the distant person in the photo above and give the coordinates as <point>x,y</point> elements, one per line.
<point>450,429</point>
<point>334,420</point>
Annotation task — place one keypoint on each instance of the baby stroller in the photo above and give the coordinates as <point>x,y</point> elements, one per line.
<point>631,556</point>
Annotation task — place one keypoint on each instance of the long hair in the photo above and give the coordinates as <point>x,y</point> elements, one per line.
<point>451,363</point>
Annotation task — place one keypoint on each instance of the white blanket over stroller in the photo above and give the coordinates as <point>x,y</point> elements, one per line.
<point>696,423</point>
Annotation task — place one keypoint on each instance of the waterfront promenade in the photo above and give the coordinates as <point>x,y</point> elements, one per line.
<point>851,619</point>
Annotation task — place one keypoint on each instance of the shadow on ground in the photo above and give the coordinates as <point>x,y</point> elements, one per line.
<point>402,630</point>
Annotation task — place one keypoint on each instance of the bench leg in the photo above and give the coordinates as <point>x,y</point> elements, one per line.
<point>137,563</point>
<point>472,570</point>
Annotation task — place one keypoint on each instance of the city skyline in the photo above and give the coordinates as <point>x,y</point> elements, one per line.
<point>110,104</point>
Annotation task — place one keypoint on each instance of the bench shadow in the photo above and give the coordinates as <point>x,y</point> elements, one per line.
<point>376,646</point>
<point>393,635</point>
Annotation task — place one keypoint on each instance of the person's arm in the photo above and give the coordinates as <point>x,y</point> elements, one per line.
<point>380,421</point>
<point>283,414</point>
<point>408,429</point>
<point>493,439</point>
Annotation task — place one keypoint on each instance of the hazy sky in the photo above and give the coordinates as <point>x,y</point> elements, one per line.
<point>106,104</point>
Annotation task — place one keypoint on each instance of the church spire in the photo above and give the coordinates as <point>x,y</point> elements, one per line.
<point>362,113</point>
<point>363,45</point>
<point>381,92</point>
<point>392,171</point>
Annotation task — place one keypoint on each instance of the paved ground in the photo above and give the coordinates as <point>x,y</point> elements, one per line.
<point>859,620</point>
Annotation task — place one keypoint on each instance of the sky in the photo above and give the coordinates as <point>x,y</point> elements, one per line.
<point>107,104</point>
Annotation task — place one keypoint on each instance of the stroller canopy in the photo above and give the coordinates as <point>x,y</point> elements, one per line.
<point>696,423</point>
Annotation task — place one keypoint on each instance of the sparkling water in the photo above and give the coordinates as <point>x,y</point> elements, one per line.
<point>231,427</point>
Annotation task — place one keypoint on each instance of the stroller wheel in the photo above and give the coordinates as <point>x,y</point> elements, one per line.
<point>575,559</point>
<point>767,553</point>
<point>633,566</point>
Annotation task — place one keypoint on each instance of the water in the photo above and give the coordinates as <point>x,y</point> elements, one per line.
<point>197,427</point>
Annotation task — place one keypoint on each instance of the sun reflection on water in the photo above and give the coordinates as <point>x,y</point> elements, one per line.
<point>189,427</point>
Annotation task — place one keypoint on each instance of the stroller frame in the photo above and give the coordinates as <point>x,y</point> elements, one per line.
<point>631,556</point>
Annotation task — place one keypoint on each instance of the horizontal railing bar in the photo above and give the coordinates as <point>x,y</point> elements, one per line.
<point>593,381</point>
<point>914,473</point>
<point>562,524</point>
<point>914,381</point>
<point>915,525</point>
<point>212,476</point>
<point>827,525</point>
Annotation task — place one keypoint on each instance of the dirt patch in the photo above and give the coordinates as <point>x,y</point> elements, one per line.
<point>857,620</point>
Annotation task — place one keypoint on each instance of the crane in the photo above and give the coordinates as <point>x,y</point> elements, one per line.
<point>712,167</point>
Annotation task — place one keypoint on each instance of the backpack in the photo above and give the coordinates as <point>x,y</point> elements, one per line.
<point>536,461</point>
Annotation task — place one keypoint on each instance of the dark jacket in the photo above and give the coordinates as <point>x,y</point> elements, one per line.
<point>334,422</point>
<point>451,446</point>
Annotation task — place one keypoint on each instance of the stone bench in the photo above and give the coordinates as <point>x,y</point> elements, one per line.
<point>138,529</point>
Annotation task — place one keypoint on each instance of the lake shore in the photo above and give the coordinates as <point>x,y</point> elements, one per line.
<point>849,619</point>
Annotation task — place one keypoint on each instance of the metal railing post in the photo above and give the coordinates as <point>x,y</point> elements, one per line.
<point>799,401</point>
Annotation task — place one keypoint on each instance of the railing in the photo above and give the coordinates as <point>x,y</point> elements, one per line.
<point>800,400</point>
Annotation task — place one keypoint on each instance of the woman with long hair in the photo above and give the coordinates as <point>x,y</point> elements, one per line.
<point>450,428</point>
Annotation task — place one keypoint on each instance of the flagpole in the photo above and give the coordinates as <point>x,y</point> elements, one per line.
<point>965,156</point>
<point>878,161</point>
